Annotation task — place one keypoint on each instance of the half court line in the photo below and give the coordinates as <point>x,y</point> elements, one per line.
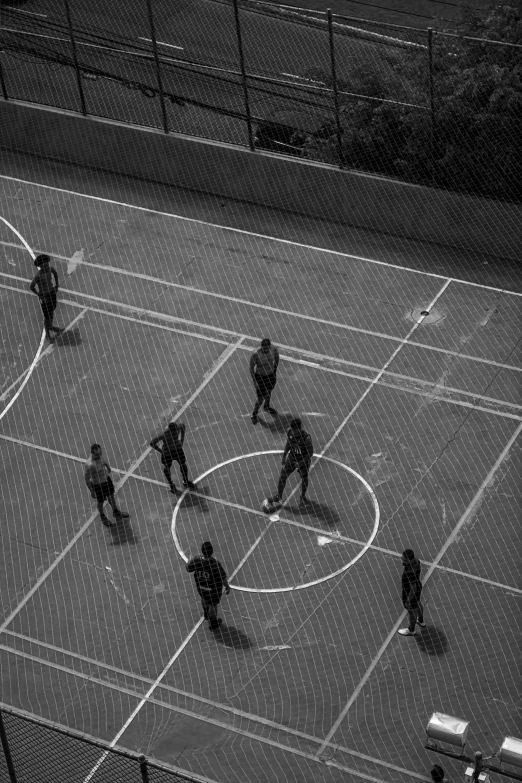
<point>285,520</point>
<point>466,516</point>
<point>319,357</point>
<point>253,234</point>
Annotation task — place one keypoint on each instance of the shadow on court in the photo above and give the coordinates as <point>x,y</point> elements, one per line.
<point>432,641</point>
<point>122,533</point>
<point>232,637</point>
<point>70,338</point>
<point>279,423</point>
<point>326,515</point>
<point>193,500</point>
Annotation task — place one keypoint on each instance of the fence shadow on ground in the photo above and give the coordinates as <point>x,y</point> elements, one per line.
<point>432,641</point>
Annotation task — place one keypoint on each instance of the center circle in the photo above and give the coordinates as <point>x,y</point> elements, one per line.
<point>348,565</point>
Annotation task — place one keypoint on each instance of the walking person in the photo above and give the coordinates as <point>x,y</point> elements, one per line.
<point>411,592</point>
<point>99,484</point>
<point>263,368</point>
<point>45,285</point>
<point>210,578</point>
<point>172,451</point>
<point>298,455</point>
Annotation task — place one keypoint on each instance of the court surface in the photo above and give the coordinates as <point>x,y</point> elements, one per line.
<point>415,421</point>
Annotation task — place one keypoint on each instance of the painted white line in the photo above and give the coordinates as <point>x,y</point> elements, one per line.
<point>206,327</point>
<point>22,11</point>
<point>227,353</point>
<point>37,355</point>
<point>285,520</point>
<point>222,359</point>
<point>253,234</point>
<point>161,43</point>
<point>195,697</point>
<point>276,518</point>
<point>5,394</point>
<point>470,511</point>
<point>279,310</point>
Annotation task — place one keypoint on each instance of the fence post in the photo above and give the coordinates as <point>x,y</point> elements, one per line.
<point>158,67</point>
<point>243,77</point>
<point>2,81</point>
<point>143,768</point>
<point>432,104</point>
<point>75,57</point>
<point>7,751</point>
<point>334,87</point>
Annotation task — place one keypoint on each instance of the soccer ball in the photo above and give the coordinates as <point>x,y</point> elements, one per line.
<point>270,505</point>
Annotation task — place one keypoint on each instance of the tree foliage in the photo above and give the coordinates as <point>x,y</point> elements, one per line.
<point>464,129</point>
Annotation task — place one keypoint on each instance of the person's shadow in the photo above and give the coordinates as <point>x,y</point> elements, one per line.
<point>195,500</point>
<point>122,533</point>
<point>230,636</point>
<point>71,337</point>
<point>278,423</point>
<point>327,517</point>
<point>432,641</point>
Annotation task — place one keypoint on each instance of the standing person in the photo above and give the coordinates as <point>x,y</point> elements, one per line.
<point>172,450</point>
<point>45,285</point>
<point>298,454</point>
<point>411,592</point>
<point>210,578</point>
<point>263,369</point>
<point>99,484</point>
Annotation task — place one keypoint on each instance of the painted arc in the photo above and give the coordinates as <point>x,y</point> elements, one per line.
<point>36,359</point>
<point>346,566</point>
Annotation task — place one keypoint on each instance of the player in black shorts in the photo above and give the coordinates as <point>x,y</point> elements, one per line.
<point>297,455</point>
<point>45,285</point>
<point>172,451</point>
<point>210,578</point>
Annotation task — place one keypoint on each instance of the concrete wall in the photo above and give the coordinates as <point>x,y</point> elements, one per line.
<point>307,188</point>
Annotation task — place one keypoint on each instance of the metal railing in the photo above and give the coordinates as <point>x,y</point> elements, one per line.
<point>37,751</point>
<point>348,92</point>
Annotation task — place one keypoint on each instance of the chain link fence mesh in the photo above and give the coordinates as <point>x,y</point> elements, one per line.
<point>44,753</point>
<point>431,108</point>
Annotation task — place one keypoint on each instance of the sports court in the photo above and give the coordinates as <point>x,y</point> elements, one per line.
<point>415,421</point>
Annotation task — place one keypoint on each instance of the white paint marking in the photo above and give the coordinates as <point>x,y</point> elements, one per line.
<point>472,508</point>
<point>489,314</point>
<point>5,394</point>
<point>272,647</point>
<point>23,11</point>
<point>161,43</point>
<point>256,305</point>
<point>36,358</point>
<point>76,258</point>
<point>227,353</point>
<point>253,234</point>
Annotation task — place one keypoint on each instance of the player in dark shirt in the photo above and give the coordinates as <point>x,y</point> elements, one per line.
<point>45,285</point>
<point>210,578</point>
<point>411,592</point>
<point>172,450</point>
<point>297,455</point>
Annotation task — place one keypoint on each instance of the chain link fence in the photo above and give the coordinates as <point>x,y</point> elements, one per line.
<point>37,751</point>
<point>426,107</point>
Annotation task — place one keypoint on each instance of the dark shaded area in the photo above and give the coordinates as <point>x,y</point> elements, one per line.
<point>193,500</point>
<point>326,516</point>
<point>71,337</point>
<point>122,533</point>
<point>279,423</point>
<point>432,641</point>
<point>232,637</point>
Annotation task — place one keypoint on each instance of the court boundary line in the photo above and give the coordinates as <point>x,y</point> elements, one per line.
<point>224,356</point>
<point>280,311</point>
<point>260,236</point>
<point>39,350</point>
<point>292,522</point>
<point>206,719</point>
<point>471,509</point>
<point>320,357</point>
